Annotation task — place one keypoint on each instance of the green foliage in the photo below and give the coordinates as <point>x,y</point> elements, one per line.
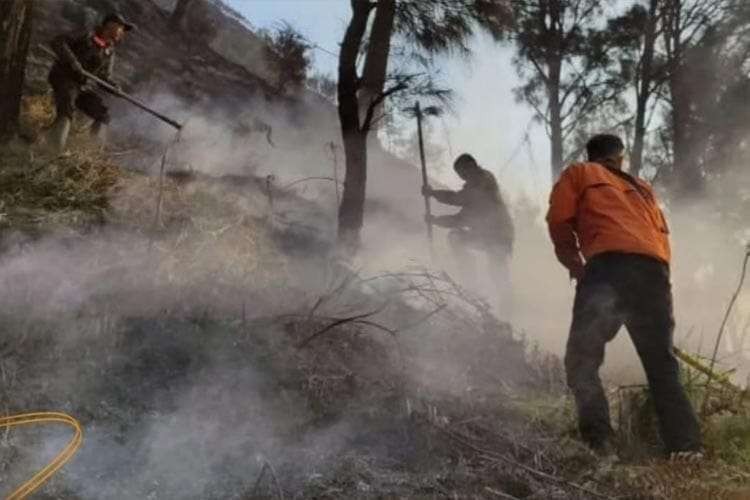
<point>448,25</point>
<point>563,59</point>
<point>287,51</point>
<point>726,426</point>
<point>728,438</point>
<point>555,413</point>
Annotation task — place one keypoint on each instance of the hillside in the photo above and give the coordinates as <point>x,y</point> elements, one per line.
<point>196,344</point>
<point>213,346</point>
<point>210,349</point>
<point>229,113</point>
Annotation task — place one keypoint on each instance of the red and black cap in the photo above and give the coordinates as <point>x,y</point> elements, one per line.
<point>114,17</point>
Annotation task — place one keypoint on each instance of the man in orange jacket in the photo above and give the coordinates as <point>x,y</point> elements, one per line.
<point>609,232</point>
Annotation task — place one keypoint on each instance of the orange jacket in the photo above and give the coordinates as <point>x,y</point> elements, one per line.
<point>594,209</point>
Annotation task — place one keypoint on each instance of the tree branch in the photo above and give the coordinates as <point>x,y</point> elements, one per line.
<point>398,87</point>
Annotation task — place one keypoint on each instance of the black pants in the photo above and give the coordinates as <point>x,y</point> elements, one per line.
<point>497,266</point>
<point>635,291</point>
<point>70,95</point>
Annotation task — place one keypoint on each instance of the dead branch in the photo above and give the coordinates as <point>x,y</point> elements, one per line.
<point>373,324</point>
<point>305,179</point>
<point>397,276</point>
<point>423,319</point>
<point>257,481</point>
<point>159,195</point>
<point>498,456</point>
<point>336,291</point>
<point>499,494</point>
<point>339,322</point>
<point>704,406</point>
<point>269,467</point>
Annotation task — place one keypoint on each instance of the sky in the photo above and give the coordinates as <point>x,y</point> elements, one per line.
<point>487,121</point>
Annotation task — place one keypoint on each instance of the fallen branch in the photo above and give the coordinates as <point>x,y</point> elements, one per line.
<point>326,297</point>
<point>423,318</point>
<point>299,181</point>
<point>338,322</point>
<point>387,330</point>
<point>499,494</point>
<point>498,456</point>
<point>397,276</point>
<point>269,467</point>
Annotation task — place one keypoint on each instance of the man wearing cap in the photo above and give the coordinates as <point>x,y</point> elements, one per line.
<point>483,223</point>
<point>93,53</point>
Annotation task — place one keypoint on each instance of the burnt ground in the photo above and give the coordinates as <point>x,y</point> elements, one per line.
<point>193,408</point>
<point>225,353</point>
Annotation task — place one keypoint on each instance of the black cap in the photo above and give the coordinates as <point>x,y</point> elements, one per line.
<point>114,17</point>
<point>465,160</point>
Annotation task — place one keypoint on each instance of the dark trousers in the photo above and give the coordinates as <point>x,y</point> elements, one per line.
<point>632,290</point>
<point>497,267</point>
<point>70,95</point>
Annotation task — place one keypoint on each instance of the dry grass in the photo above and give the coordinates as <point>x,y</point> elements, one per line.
<point>36,190</point>
<point>37,113</point>
<point>202,233</point>
<point>41,191</point>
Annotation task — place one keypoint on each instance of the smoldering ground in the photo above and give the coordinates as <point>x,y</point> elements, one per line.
<point>176,403</point>
<point>177,345</point>
<point>180,351</point>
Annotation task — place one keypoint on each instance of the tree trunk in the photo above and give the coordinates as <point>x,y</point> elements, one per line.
<point>15,33</point>
<point>556,141</point>
<point>644,90</point>
<point>688,178</point>
<point>375,70</point>
<point>351,211</point>
<point>178,14</point>
<point>557,152</point>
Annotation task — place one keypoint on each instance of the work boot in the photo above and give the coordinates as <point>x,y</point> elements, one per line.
<point>606,454</point>
<point>604,445</point>
<point>57,136</point>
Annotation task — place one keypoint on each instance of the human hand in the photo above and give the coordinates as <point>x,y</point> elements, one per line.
<point>427,190</point>
<point>576,272</point>
<point>79,72</point>
<point>116,86</point>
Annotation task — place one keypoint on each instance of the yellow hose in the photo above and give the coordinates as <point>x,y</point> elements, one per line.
<point>61,459</point>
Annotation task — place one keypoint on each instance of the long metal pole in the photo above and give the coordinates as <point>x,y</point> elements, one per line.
<point>425,183</point>
<point>120,93</point>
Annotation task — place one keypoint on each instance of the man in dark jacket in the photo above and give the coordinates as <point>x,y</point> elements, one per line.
<point>483,223</point>
<point>95,54</point>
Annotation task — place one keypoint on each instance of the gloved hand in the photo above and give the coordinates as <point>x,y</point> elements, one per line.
<point>116,85</point>
<point>427,190</point>
<point>576,272</point>
<point>79,72</point>
<point>429,219</point>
